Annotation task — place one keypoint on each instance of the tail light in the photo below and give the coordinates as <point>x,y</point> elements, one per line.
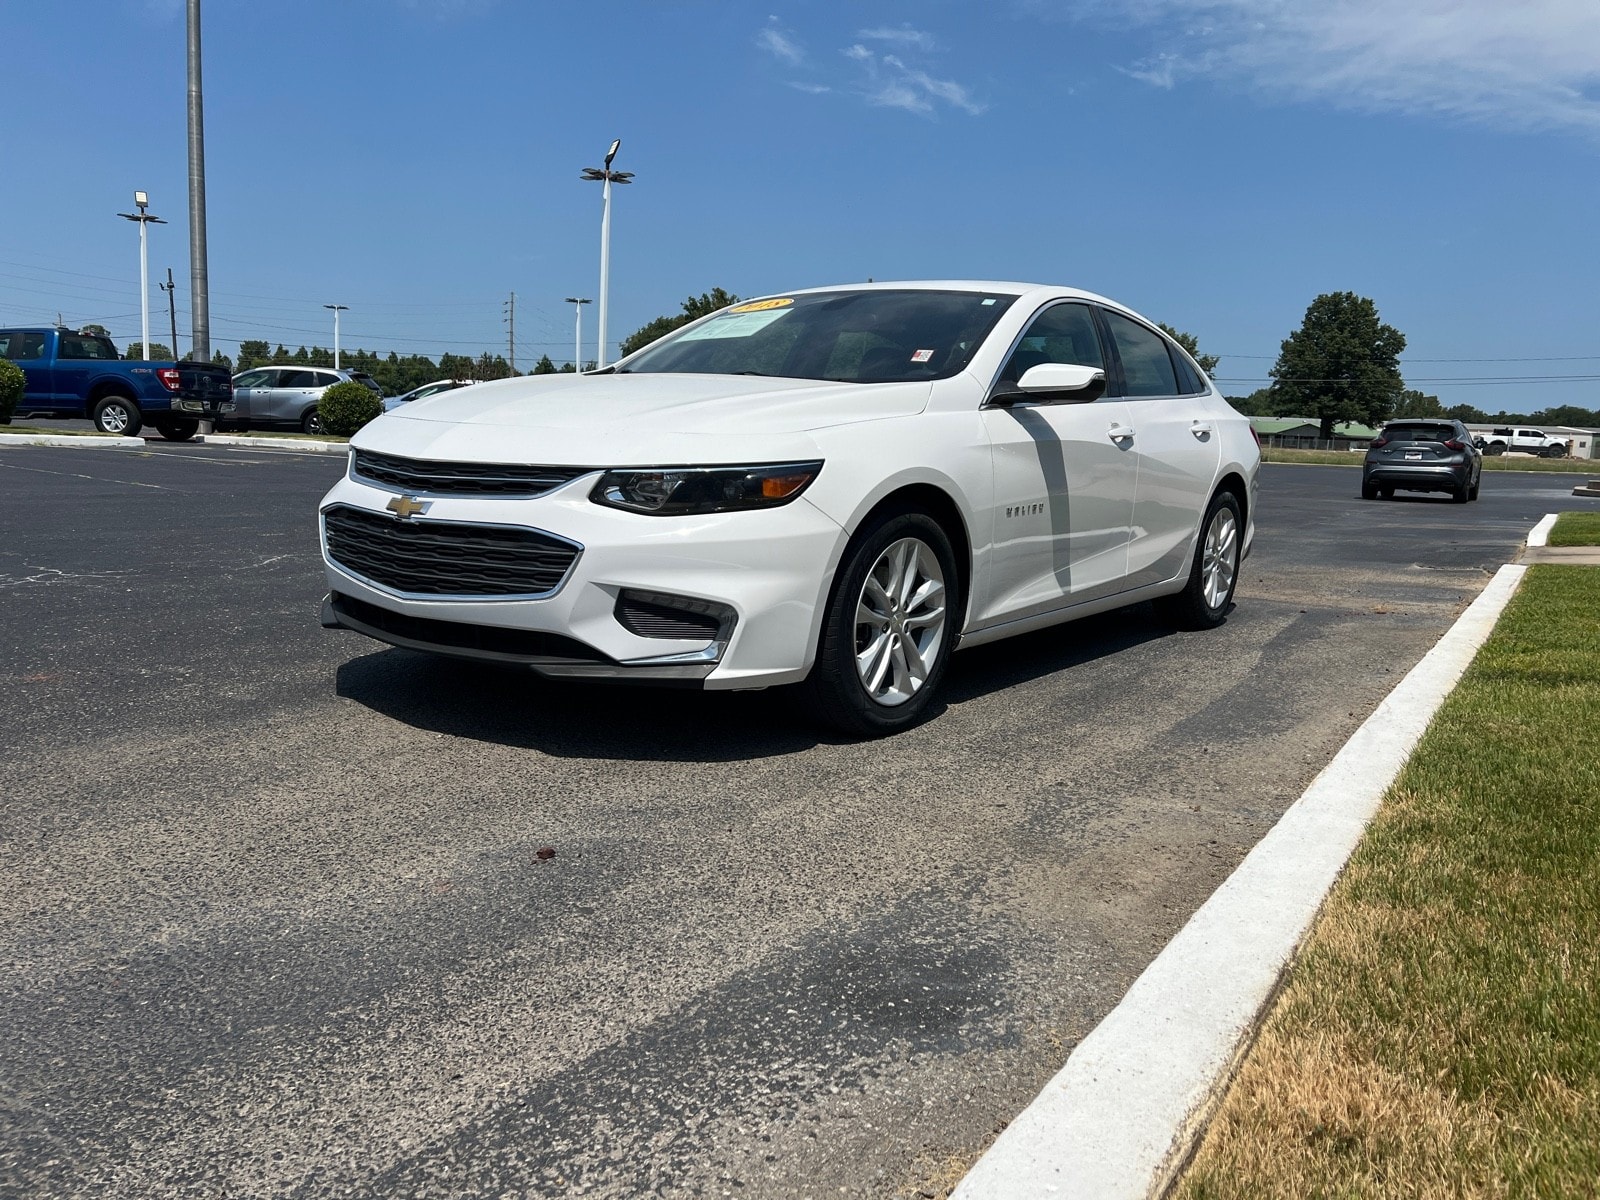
<point>1380,440</point>
<point>168,377</point>
<point>1455,444</point>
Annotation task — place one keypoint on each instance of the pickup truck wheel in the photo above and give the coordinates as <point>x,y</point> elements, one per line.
<point>118,414</point>
<point>312,422</point>
<point>178,431</point>
<point>1559,450</point>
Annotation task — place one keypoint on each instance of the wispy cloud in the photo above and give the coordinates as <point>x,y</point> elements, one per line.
<point>896,76</point>
<point>904,36</point>
<point>1521,64</point>
<point>780,43</point>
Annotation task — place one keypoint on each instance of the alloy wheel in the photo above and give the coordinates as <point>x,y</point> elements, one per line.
<point>1221,557</point>
<point>900,622</point>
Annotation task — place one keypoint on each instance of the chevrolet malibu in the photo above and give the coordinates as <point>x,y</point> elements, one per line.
<point>835,488</point>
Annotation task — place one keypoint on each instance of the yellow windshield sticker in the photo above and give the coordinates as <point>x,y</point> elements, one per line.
<point>760,306</point>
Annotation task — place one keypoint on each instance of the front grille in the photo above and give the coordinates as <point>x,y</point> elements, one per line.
<point>439,558</point>
<point>417,475</point>
<point>643,618</point>
<point>487,640</point>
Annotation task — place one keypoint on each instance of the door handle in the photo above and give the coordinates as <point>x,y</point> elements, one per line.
<point>1202,429</point>
<point>1119,432</point>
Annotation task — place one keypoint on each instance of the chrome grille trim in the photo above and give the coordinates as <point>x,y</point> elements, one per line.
<point>446,560</point>
<point>428,477</point>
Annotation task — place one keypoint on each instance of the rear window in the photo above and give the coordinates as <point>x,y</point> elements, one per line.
<point>1419,433</point>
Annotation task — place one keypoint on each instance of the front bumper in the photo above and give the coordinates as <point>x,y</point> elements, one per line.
<point>763,575</point>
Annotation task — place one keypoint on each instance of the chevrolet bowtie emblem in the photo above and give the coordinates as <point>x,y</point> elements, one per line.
<point>406,507</point>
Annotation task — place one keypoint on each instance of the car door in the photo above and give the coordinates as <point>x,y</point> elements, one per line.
<point>1064,480</point>
<point>30,351</point>
<point>289,395</point>
<point>249,393</point>
<point>1177,444</point>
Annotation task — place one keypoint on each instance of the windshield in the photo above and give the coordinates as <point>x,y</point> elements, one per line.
<point>1420,433</point>
<point>878,336</point>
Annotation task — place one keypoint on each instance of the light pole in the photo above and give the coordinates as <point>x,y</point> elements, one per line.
<point>142,201</point>
<point>577,303</point>
<point>610,177</point>
<point>337,309</point>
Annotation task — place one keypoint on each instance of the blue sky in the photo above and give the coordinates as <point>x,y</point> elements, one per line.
<point>1213,163</point>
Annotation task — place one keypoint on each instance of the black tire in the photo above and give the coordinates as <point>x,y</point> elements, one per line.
<point>835,690</point>
<point>1495,448</point>
<point>1557,451</point>
<point>1461,495</point>
<point>118,414</point>
<point>1386,493</point>
<point>312,421</point>
<point>1369,491</point>
<point>1472,492</point>
<point>1214,572</point>
<point>179,430</point>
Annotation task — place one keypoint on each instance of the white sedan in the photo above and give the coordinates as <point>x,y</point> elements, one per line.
<point>835,487</point>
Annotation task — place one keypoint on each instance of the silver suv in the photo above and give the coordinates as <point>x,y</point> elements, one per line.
<point>286,395</point>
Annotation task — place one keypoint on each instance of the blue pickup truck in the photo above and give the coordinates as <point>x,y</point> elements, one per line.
<point>74,374</point>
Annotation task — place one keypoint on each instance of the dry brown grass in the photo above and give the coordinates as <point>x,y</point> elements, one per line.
<point>1440,1034</point>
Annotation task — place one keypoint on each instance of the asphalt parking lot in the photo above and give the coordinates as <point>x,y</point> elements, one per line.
<point>281,918</point>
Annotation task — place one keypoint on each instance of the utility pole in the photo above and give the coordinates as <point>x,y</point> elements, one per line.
<point>511,333</point>
<point>172,310</point>
<point>199,285</point>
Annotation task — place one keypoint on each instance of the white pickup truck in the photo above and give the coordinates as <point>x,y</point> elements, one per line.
<point>1523,441</point>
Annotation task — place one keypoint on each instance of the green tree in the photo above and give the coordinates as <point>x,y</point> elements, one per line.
<point>13,386</point>
<point>491,366</point>
<point>544,366</point>
<point>1467,415</point>
<point>1342,364</point>
<point>694,308</point>
<point>1208,362</point>
<point>1567,414</point>
<point>94,330</point>
<point>1413,403</point>
<point>159,352</point>
<point>1257,404</point>
<point>222,360</point>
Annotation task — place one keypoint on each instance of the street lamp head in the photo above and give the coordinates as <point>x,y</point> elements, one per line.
<point>577,299</point>
<point>622,177</point>
<point>612,153</point>
<point>141,199</point>
<point>593,174</point>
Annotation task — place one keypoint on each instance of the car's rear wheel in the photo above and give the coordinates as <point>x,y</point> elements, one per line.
<point>1461,494</point>
<point>890,624</point>
<point>1369,490</point>
<point>1214,574</point>
<point>1386,493</point>
<point>178,431</point>
<point>118,414</point>
<point>1472,492</point>
<point>312,421</point>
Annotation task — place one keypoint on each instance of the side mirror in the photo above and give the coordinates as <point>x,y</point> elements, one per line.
<point>1054,383</point>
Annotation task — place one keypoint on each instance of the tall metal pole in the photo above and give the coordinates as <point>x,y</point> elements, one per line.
<point>511,331</point>
<point>605,266</point>
<point>577,303</point>
<point>144,292</point>
<point>337,309</point>
<point>199,279</point>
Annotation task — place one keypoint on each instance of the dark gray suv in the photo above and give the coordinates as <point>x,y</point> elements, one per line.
<point>1434,455</point>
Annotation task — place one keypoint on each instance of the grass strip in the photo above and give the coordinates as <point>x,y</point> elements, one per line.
<point>1576,529</point>
<point>1491,462</point>
<point>1439,1035</point>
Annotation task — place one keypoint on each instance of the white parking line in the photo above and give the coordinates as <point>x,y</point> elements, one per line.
<point>1121,1118</point>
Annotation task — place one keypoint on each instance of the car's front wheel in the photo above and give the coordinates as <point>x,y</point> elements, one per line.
<point>118,414</point>
<point>1214,572</point>
<point>889,628</point>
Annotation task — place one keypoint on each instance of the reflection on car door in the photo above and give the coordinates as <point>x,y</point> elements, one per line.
<point>1064,481</point>
<point>1177,444</point>
<point>249,394</point>
<point>290,395</point>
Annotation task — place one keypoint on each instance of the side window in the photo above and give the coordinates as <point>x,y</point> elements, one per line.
<point>30,345</point>
<point>1062,333</point>
<point>252,379</point>
<point>1146,365</point>
<point>1190,382</point>
<point>295,379</point>
<point>325,379</point>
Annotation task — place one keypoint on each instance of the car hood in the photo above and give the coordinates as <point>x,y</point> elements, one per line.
<point>634,419</point>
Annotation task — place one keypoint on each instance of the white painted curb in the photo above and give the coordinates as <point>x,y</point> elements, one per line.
<point>1121,1118</point>
<point>259,443</point>
<point>1539,535</point>
<point>70,440</point>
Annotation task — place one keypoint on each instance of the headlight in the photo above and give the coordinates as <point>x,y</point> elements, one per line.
<point>676,491</point>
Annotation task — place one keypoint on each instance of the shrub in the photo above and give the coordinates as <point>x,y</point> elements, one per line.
<point>346,407</point>
<point>13,383</point>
